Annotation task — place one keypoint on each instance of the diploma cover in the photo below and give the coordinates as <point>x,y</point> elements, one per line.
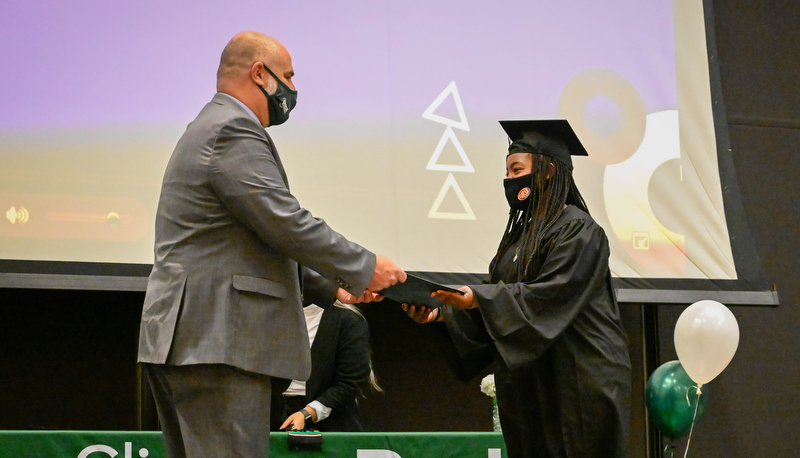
<point>416,291</point>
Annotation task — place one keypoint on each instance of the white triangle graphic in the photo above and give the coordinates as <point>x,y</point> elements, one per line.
<point>450,183</point>
<point>449,135</point>
<point>461,123</point>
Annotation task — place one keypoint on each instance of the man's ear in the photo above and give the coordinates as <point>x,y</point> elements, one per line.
<point>258,74</point>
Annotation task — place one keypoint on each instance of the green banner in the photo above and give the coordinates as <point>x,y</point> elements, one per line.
<point>148,444</point>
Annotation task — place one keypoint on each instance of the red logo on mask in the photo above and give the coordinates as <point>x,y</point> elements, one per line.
<point>523,194</point>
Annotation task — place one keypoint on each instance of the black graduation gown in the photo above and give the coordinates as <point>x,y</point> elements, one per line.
<point>563,374</point>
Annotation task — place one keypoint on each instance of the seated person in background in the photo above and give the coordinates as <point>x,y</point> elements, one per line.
<point>340,368</point>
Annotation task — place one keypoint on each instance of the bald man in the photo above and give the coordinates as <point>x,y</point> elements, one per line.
<point>223,319</point>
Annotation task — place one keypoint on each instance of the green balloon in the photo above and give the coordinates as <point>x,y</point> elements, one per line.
<point>671,400</point>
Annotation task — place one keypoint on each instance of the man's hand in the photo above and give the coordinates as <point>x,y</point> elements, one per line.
<point>386,274</point>
<point>455,300</point>
<point>346,298</point>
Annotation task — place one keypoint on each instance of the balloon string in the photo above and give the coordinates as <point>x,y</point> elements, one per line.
<point>694,417</point>
<point>697,390</point>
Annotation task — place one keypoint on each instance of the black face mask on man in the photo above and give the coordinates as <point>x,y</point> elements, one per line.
<point>518,191</point>
<point>281,102</point>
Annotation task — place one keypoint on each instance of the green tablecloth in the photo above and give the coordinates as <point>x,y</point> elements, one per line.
<point>147,444</point>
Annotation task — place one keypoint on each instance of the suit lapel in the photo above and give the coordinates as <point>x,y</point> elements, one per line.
<point>226,100</point>
<point>277,159</point>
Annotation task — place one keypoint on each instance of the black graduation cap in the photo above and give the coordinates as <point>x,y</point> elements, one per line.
<point>551,137</point>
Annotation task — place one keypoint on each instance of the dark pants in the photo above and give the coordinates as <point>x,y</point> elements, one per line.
<point>211,410</point>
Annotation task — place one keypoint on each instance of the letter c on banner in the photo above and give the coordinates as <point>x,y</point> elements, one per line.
<point>97,448</point>
<point>376,453</point>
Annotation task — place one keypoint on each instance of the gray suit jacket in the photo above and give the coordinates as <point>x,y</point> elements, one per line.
<point>224,286</point>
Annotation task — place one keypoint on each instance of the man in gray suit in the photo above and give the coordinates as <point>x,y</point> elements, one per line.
<point>223,317</point>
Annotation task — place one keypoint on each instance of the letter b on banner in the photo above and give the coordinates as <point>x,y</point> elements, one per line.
<point>377,453</point>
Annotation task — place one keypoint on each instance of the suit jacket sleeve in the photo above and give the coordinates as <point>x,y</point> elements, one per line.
<point>249,179</point>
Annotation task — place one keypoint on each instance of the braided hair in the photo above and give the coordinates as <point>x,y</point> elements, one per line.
<point>545,205</point>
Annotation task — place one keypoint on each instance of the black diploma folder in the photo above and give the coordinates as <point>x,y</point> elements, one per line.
<point>416,291</point>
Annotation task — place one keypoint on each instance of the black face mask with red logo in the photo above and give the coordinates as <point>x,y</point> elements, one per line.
<point>518,191</point>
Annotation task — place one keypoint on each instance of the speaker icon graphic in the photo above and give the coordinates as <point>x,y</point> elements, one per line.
<point>17,216</point>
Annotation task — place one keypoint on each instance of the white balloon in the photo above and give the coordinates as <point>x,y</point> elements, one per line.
<point>706,338</point>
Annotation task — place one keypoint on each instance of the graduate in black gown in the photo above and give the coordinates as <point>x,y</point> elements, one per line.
<point>547,313</point>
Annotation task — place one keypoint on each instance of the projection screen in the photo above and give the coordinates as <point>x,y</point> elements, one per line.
<point>395,140</point>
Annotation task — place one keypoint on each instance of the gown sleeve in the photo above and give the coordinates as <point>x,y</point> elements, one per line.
<point>523,319</point>
<point>467,348</point>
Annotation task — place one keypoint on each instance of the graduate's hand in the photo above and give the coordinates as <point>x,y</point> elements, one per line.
<point>420,313</point>
<point>455,300</point>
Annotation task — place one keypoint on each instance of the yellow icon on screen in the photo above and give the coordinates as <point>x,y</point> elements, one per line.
<point>113,219</point>
<point>641,241</point>
<point>17,216</point>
